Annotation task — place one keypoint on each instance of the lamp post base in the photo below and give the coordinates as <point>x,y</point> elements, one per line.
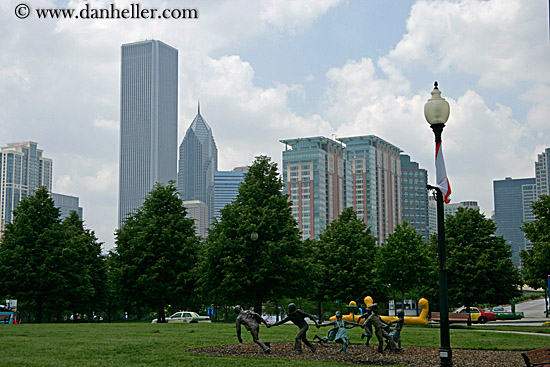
<point>446,356</point>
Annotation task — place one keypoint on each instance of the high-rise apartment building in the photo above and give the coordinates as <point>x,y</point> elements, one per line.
<point>323,176</point>
<point>314,179</point>
<point>511,198</point>
<point>542,173</point>
<point>198,163</point>
<point>375,167</point>
<point>22,170</point>
<point>148,121</point>
<point>226,188</point>
<point>414,196</point>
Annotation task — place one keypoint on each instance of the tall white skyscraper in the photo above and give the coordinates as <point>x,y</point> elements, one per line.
<point>542,173</point>
<point>148,121</point>
<point>22,170</point>
<point>198,163</point>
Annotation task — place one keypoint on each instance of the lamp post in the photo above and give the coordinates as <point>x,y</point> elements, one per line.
<point>254,237</point>
<point>436,111</point>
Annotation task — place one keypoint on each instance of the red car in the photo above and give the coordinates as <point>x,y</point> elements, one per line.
<point>477,314</point>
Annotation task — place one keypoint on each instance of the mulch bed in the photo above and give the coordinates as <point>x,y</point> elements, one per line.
<point>360,354</point>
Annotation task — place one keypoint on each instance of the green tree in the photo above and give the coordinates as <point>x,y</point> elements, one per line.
<point>404,260</point>
<point>30,252</point>
<point>156,249</point>
<point>479,265</point>
<point>536,262</point>
<point>83,268</point>
<point>236,268</point>
<point>345,258</point>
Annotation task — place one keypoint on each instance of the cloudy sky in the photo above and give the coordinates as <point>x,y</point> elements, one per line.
<point>276,69</point>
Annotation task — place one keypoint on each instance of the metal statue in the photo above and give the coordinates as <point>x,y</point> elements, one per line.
<point>297,317</point>
<point>379,329</point>
<point>339,333</point>
<point>251,321</point>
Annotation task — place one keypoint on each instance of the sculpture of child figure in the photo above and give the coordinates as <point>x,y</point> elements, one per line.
<point>338,333</point>
<point>395,333</point>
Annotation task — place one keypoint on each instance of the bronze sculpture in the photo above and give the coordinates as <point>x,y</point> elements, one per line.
<point>395,333</point>
<point>339,333</point>
<point>297,317</point>
<point>251,321</point>
<point>367,325</point>
<point>379,329</point>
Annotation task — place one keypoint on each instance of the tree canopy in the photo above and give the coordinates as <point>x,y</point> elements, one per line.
<point>235,268</point>
<point>479,265</point>
<point>404,260</point>
<point>48,265</point>
<point>536,262</point>
<point>345,256</point>
<point>156,250</point>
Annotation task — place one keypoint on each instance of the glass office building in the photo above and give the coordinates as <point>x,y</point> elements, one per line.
<point>414,196</point>
<point>66,205</point>
<point>148,121</point>
<point>226,188</point>
<point>198,163</point>
<point>509,195</point>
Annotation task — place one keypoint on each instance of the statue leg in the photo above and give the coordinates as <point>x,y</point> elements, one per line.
<point>298,342</point>
<point>264,345</point>
<point>380,337</point>
<point>303,337</point>
<point>389,339</point>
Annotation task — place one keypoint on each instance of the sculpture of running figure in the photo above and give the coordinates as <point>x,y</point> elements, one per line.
<point>297,317</point>
<point>339,333</point>
<point>251,321</point>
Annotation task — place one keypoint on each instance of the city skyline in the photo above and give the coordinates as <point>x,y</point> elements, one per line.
<point>287,69</point>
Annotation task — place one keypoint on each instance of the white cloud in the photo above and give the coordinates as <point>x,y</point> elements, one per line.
<point>496,40</point>
<point>290,16</point>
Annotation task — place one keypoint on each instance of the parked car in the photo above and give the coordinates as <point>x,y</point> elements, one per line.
<point>477,314</point>
<point>186,317</point>
<point>498,309</point>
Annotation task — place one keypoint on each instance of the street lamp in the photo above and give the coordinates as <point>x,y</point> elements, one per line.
<point>436,111</point>
<point>254,237</point>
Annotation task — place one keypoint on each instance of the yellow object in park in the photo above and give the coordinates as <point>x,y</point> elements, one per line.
<point>354,314</point>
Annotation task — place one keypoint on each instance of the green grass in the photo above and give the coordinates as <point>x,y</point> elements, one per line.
<point>144,344</point>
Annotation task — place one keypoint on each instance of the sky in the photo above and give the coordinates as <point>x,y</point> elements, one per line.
<point>280,69</point>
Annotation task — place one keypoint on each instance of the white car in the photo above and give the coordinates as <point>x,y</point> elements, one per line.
<point>186,317</point>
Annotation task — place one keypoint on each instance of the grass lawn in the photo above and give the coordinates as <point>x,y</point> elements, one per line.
<point>144,344</point>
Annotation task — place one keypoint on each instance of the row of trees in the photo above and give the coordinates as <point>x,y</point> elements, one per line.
<point>159,261</point>
<point>50,265</point>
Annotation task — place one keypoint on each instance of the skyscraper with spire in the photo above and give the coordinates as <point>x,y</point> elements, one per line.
<point>198,163</point>
<point>148,121</point>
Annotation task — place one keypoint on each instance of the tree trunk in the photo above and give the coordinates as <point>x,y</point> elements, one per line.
<point>39,304</point>
<point>468,312</point>
<point>320,310</point>
<point>258,301</point>
<point>161,315</point>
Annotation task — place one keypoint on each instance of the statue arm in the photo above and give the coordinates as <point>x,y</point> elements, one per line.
<point>312,318</point>
<point>327,324</point>
<point>280,322</point>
